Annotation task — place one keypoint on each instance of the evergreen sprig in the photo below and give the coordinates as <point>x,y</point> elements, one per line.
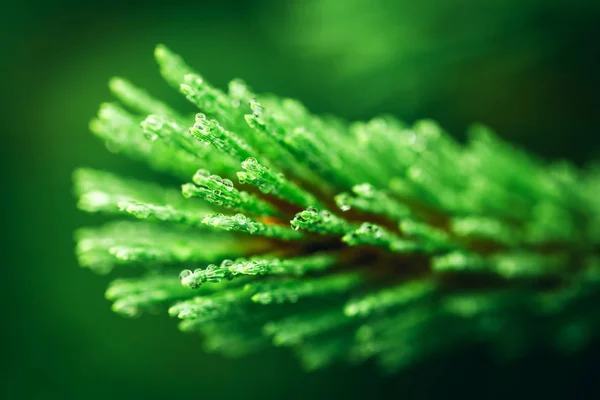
<point>345,241</point>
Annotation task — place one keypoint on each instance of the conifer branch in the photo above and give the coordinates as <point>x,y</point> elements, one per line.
<point>344,241</point>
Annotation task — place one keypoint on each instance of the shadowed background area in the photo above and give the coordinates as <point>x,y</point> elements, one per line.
<point>527,69</point>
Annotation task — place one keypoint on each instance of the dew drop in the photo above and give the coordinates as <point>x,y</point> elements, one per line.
<point>249,163</point>
<point>309,214</point>
<point>376,231</point>
<point>343,201</point>
<point>242,176</point>
<point>256,107</point>
<point>200,176</point>
<point>251,266</point>
<point>228,184</point>
<point>151,136</point>
<point>187,190</point>
<point>265,188</point>
<point>153,122</point>
<point>216,178</point>
<point>184,274</point>
<point>365,190</point>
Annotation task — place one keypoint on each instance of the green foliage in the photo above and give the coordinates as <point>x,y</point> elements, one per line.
<point>349,241</point>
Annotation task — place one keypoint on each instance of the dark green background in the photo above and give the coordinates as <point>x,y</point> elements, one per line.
<point>527,68</point>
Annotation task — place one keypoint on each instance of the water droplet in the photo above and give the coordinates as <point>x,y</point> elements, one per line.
<point>256,107</point>
<point>241,175</point>
<point>376,231</point>
<point>240,219</point>
<point>265,188</point>
<point>364,189</point>
<point>309,214</point>
<point>343,201</point>
<point>249,163</point>
<point>184,274</point>
<point>226,263</point>
<point>198,271</point>
<point>228,184</point>
<point>153,122</point>
<point>216,178</point>
<point>251,266</point>
<point>187,190</point>
<point>200,176</point>
<point>151,136</point>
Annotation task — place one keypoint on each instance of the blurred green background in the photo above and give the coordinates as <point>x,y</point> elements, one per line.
<point>530,69</point>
